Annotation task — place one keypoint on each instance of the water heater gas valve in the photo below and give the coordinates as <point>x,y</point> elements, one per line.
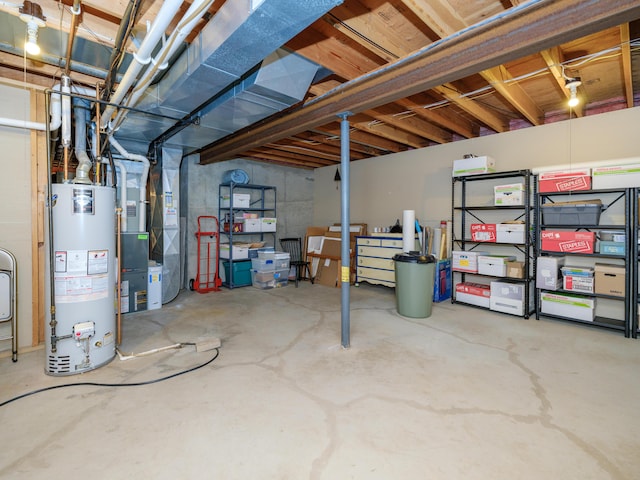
<point>83,330</point>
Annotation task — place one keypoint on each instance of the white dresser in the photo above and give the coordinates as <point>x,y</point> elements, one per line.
<point>374,258</point>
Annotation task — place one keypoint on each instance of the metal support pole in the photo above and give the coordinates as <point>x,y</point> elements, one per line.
<point>345,221</point>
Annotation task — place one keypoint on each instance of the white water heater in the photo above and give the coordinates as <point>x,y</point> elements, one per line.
<point>82,335</point>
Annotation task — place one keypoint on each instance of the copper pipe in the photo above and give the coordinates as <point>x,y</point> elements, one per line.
<point>65,164</point>
<point>72,35</point>
<point>119,282</point>
<point>98,149</point>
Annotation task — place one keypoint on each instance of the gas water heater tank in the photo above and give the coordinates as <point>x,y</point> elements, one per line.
<point>83,335</point>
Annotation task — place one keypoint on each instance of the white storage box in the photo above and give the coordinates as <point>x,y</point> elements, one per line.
<point>268,224</point>
<point>252,225</point>
<point>616,176</point>
<point>510,233</point>
<point>512,194</point>
<point>568,306</point>
<point>240,200</point>
<point>578,279</point>
<point>473,166</point>
<point>495,265</point>
<point>466,261</point>
<point>239,251</point>
<point>507,297</point>
<point>548,273</point>
<point>473,293</point>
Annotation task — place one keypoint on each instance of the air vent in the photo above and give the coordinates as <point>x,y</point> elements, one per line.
<point>59,364</point>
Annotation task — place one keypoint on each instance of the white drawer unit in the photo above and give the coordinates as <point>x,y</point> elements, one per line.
<point>374,259</point>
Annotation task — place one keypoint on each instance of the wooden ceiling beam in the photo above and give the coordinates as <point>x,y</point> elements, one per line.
<point>490,118</point>
<point>285,159</point>
<point>553,58</point>
<point>458,125</point>
<point>392,133</point>
<point>365,150</point>
<point>411,123</point>
<point>627,73</point>
<point>540,25</point>
<point>364,138</point>
<point>502,81</point>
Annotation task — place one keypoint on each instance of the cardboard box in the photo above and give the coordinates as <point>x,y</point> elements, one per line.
<point>473,166</point>
<point>239,251</point>
<point>252,225</point>
<point>463,261</point>
<point>240,200</point>
<point>577,279</point>
<point>512,194</point>
<point>566,241</point>
<point>328,271</point>
<point>495,265</point>
<point>568,306</point>
<point>442,281</point>
<point>268,224</point>
<point>515,269</point>
<point>610,279</point>
<point>483,232</point>
<point>477,294</point>
<point>510,233</point>
<point>564,181</point>
<point>617,176</point>
<point>237,227</point>
<point>548,274</point>
<point>507,297</point>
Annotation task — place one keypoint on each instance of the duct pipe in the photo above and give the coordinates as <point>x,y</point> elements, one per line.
<point>142,218</point>
<point>142,57</point>
<point>188,22</point>
<point>81,112</point>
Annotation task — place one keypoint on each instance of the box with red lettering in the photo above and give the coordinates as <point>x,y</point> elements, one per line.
<point>564,181</point>
<point>566,241</point>
<point>483,232</point>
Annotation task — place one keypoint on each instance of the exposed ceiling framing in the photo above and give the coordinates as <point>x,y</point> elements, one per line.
<point>413,73</point>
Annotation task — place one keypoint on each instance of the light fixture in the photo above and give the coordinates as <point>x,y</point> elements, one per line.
<point>31,14</point>
<point>572,84</point>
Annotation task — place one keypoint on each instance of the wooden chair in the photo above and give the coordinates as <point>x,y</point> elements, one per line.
<point>293,246</point>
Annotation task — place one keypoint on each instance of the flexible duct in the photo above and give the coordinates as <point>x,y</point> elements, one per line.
<point>142,219</point>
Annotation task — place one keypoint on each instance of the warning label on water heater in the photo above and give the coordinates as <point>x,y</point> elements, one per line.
<point>81,275</point>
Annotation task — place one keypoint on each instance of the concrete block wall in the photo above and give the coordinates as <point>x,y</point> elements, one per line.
<point>199,196</point>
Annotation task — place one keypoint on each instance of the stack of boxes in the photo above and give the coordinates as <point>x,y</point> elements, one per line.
<point>552,271</point>
<point>270,269</point>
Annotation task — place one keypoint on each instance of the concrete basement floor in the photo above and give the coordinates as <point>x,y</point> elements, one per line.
<point>463,394</point>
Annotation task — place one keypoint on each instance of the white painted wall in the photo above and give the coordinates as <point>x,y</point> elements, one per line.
<point>15,207</point>
<point>420,180</point>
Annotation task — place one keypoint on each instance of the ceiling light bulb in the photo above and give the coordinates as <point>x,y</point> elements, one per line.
<point>31,46</point>
<point>573,100</point>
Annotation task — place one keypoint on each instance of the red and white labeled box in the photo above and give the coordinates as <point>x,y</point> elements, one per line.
<point>474,293</point>
<point>568,242</point>
<point>563,181</point>
<point>483,232</point>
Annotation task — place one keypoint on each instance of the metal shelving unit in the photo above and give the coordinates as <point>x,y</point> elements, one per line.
<point>630,259</point>
<point>262,202</point>
<point>465,211</point>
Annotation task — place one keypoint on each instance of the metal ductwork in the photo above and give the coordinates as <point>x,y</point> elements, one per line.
<point>210,80</point>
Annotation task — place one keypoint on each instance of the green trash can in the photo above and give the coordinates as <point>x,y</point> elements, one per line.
<point>414,284</point>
